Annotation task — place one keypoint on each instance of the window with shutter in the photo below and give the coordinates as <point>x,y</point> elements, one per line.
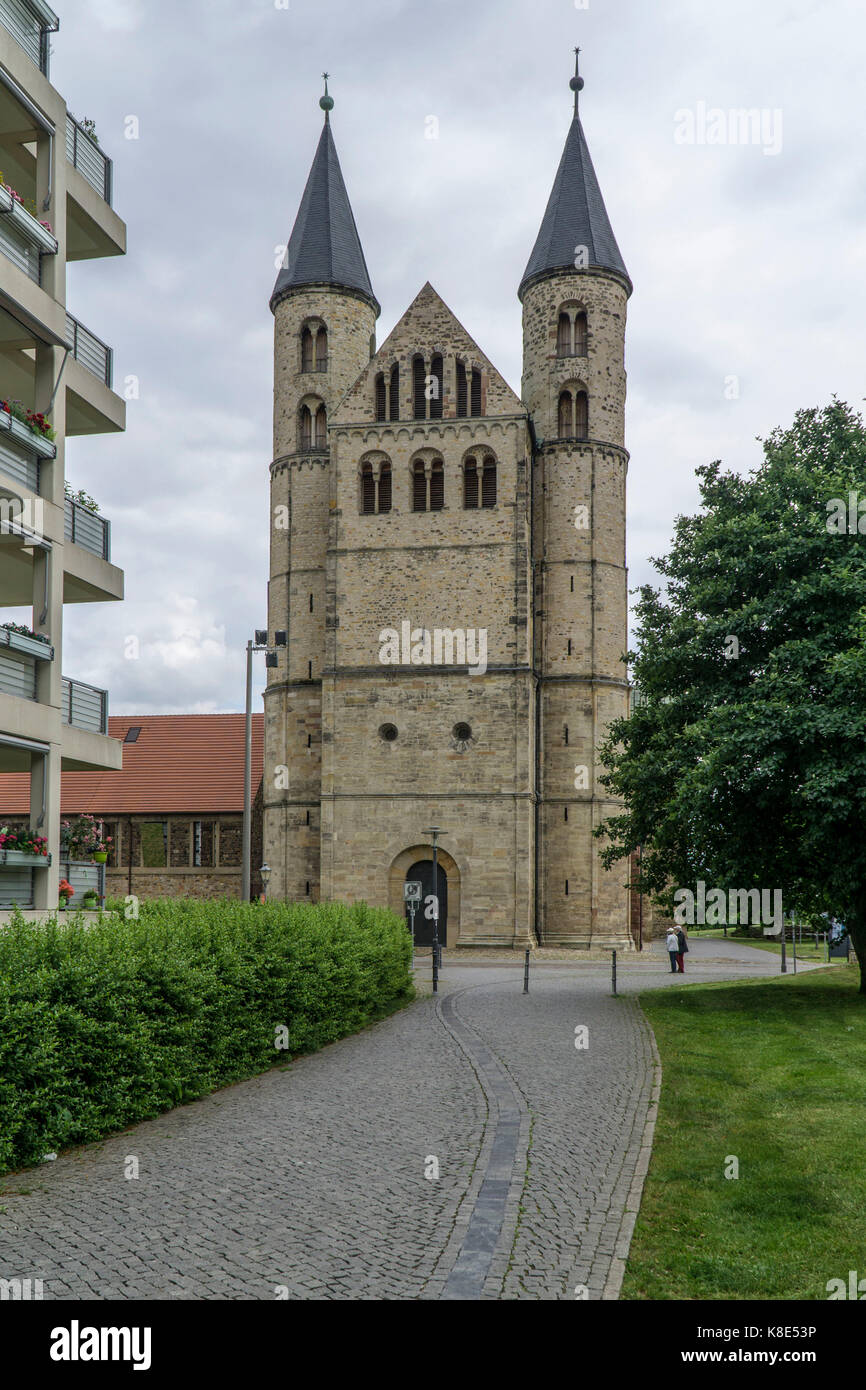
<point>395,393</point>
<point>380,396</point>
<point>322,350</point>
<point>419,488</point>
<point>385,488</point>
<point>470,484</point>
<point>563,336</point>
<point>565,416</point>
<point>580,335</point>
<point>368,490</point>
<point>418,384</point>
<point>437,486</point>
<point>438,375</point>
<point>306,428</point>
<point>488,483</point>
<point>581,416</point>
<point>476,392</point>
<point>462,407</point>
<point>321,428</point>
<point>306,350</point>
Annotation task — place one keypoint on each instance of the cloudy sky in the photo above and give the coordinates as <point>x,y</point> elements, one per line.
<point>748,260</point>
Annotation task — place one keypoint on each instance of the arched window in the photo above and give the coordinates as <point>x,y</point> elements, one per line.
<point>488,483</point>
<point>470,484</point>
<point>368,490</point>
<point>385,488</point>
<point>321,432</point>
<point>380,396</point>
<point>437,486</point>
<point>307,350</point>
<point>565,415</point>
<point>438,375</point>
<point>580,334</point>
<point>419,382</point>
<point>395,393</point>
<point>306,428</point>
<point>419,487</point>
<point>563,336</point>
<point>322,350</point>
<point>581,416</point>
<point>476,391</point>
<point>462,395</point>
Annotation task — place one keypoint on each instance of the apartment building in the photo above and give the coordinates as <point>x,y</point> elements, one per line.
<point>55,383</point>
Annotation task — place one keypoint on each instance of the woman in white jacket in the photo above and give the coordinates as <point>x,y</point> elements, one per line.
<point>673,946</point>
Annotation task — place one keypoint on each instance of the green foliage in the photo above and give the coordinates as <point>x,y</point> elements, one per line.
<point>108,1024</point>
<point>749,770</point>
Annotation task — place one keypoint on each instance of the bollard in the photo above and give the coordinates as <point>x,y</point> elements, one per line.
<point>613,970</point>
<point>526,973</point>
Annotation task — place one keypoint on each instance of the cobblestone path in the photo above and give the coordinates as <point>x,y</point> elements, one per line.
<point>465,1148</point>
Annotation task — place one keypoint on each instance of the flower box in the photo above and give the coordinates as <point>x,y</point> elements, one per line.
<point>28,225</point>
<point>17,859</point>
<point>28,646</point>
<point>31,439</point>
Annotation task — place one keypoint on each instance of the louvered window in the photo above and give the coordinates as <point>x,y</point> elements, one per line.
<point>437,373</point>
<point>437,486</point>
<point>470,484</point>
<point>419,488</point>
<point>476,392</point>
<point>488,483</point>
<point>306,351</point>
<point>385,488</point>
<point>322,350</point>
<point>418,384</point>
<point>462,407</point>
<point>563,336</point>
<point>368,490</point>
<point>580,335</point>
<point>581,416</point>
<point>565,415</point>
<point>380,397</point>
<point>306,428</point>
<point>321,428</point>
<point>395,393</point>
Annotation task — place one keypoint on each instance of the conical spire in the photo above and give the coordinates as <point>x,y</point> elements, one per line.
<point>576,215</point>
<point>324,248</point>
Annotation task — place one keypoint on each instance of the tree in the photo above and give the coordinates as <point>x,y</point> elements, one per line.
<point>744,761</point>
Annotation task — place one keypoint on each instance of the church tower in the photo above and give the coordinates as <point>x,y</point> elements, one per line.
<point>574,294</point>
<point>325,315</point>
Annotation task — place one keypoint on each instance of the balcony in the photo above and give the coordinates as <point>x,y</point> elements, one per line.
<point>89,350</point>
<point>30,22</point>
<point>23,239</point>
<point>20,452</point>
<point>18,658</point>
<point>84,706</point>
<point>84,154</point>
<point>87,529</point>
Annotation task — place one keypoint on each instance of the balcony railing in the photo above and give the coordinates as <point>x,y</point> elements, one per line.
<point>23,239</point>
<point>85,528</point>
<point>30,22</point>
<point>84,706</point>
<point>89,350</point>
<point>17,464</point>
<point>85,155</point>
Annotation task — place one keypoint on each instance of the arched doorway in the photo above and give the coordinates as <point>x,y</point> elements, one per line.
<point>422,872</point>
<point>405,867</point>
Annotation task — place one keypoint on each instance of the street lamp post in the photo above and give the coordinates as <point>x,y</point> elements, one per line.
<point>436,831</point>
<point>259,645</point>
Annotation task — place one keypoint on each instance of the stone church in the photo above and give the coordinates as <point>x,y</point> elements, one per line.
<point>448,562</point>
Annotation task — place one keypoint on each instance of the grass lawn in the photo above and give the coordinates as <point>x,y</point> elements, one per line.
<point>773,1072</point>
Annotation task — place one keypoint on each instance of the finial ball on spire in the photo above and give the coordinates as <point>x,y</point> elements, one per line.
<point>326,102</point>
<point>576,84</point>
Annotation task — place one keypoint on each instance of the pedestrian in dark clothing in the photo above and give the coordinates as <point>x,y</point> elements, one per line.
<point>683,943</point>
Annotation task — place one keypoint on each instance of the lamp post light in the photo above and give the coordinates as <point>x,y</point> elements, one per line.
<point>271,660</point>
<point>436,831</point>
<point>265,875</point>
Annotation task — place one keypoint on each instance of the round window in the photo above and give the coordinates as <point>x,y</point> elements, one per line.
<point>388,732</point>
<point>462,732</point>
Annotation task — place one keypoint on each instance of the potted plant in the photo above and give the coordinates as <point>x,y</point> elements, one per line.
<point>22,844</point>
<point>90,901</point>
<point>65,892</point>
<point>83,838</point>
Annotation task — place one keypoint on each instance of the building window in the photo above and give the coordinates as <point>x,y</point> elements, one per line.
<point>437,374</point>
<point>566,814</point>
<point>307,350</point>
<point>306,428</point>
<point>437,486</point>
<point>388,733</point>
<point>581,415</point>
<point>565,415</point>
<point>571,333</point>
<point>419,382</point>
<point>368,490</point>
<point>573,416</point>
<point>462,396</point>
<point>419,487</point>
<point>196,844</point>
<point>322,350</point>
<point>476,391</point>
<point>385,488</point>
<point>488,483</point>
<point>580,334</point>
<point>563,336</point>
<point>566,887</point>
<point>566,735</point>
<point>470,484</point>
<point>154,844</point>
<point>380,396</point>
<point>395,393</point>
<point>321,433</point>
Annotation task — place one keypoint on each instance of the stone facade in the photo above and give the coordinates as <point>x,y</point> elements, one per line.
<point>200,856</point>
<point>373,734</point>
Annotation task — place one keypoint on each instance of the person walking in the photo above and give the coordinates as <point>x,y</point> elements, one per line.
<point>683,944</point>
<point>673,948</point>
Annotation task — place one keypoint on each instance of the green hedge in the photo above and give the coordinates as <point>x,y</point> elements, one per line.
<point>105,1025</point>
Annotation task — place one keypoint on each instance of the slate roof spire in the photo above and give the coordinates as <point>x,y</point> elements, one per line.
<point>324,248</point>
<point>575,215</point>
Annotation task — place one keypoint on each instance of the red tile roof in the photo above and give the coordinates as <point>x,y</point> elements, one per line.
<point>180,762</point>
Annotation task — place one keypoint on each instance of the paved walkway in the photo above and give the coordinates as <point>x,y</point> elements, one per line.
<point>462,1149</point>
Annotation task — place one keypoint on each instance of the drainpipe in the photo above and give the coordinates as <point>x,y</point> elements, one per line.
<point>535,452</point>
